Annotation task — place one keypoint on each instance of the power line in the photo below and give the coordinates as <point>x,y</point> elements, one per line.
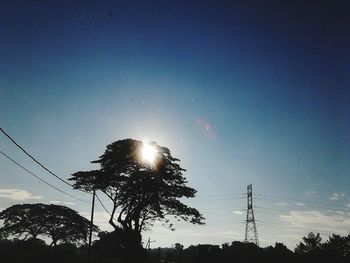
<point>314,204</point>
<point>269,196</point>
<point>30,156</point>
<point>103,205</point>
<point>208,199</point>
<point>42,180</point>
<point>223,195</point>
<point>294,228</point>
<point>271,209</point>
<point>267,199</point>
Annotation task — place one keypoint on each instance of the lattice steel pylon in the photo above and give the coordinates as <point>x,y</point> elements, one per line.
<point>251,234</point>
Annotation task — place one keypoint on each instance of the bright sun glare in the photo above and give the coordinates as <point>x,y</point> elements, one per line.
<point>148,153</point>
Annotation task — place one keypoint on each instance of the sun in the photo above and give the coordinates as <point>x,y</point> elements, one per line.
<point>148,153</point>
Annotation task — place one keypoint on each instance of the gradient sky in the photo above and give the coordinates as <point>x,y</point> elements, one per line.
<point>242,93</point>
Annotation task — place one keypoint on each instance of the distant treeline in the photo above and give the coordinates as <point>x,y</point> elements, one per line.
<point>107,249</point>
<point>311,249</point>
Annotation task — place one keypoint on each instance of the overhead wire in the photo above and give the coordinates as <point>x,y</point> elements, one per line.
<point>208,199</point>
<point>271,196</point>
<point>39,178</point>
<point>270,209</point>
<point>36,161</point>
<point>104,207</point>
<point>291,227</point>
<point>48,170</point>
<point>102,213</point>
<point>200,198</point>
<point>315,205</point>
<point>304,229</point>
<point>306,203</point>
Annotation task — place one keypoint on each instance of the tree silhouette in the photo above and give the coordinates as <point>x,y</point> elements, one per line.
<point>23,221</point>
<point>278,252</point>
<point>142,192</point>
<point>312,243</point>
<point>65,225</point>
<point>337,245</point>
<point>60,223</point>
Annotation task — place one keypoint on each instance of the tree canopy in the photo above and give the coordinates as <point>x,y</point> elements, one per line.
<point>60,223</point>
<point>311,243</point>
<point>23,221</point>
<point>141,192</point>
<point>338,245</point>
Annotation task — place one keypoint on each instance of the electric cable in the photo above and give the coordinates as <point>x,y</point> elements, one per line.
<point>30,156</point>
<point>102,205</point>
<point>39,178</point>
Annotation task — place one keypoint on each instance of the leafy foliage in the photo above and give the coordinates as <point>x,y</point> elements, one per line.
<point>141,192</point>
<point>311,244</point>
<point>119,244</point>
<point>26,221</point>
<point>108,249</point>
<point>66,226</point>
<point>337,245</point>
<point>60,223</point>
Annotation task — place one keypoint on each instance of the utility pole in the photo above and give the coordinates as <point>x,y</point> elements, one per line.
<point>251,234</point>
<point>91,226</point>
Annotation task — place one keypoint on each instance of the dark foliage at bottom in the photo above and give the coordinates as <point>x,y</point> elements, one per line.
<point>124,247</point>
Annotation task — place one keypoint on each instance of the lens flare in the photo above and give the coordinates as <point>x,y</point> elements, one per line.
<point>206,128</point>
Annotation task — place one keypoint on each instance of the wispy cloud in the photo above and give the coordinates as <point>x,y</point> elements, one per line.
<point>100,219</point>
<point>192,233</point>
<point>299,204</point>
<point>336,196</point>
<point>320,221</point>
<point>281,204</point>
<point>18,195</point>
<point>238,212</point>
<point>310,193</point>
<point>340,212</point>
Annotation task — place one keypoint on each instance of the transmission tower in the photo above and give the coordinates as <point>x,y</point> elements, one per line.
<point>148,245</point>
<point>251,234</point>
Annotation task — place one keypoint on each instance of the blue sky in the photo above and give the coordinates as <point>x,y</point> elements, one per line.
<point>240,92</point>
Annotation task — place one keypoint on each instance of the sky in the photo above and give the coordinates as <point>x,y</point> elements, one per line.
<point>242,92</point>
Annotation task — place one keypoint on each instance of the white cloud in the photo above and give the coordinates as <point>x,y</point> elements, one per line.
<point>281,204</point>
<point>100,219</point>
<point>333,197</point>
<point>340,212</point>
<point>348,205</point>
<point>310,193</point>
<point>18,195</point>
<point>237,212</point>
<point>336,196</point>
<point>299,204</point>
<point>316,220</point>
